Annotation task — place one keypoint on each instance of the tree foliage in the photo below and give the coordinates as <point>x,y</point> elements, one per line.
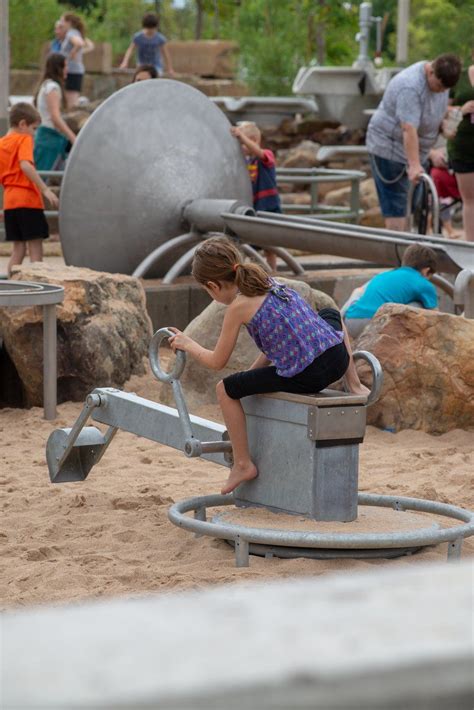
<point>31,24</point>
<point>438,26</point>
<point>276,37</point>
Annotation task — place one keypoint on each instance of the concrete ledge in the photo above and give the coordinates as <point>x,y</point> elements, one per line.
<point>177,304</point>
<point>397,639</point>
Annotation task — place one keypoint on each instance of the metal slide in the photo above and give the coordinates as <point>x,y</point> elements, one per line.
<point>318,236</point>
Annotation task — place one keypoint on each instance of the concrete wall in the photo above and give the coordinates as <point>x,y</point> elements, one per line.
<point>393,639</point>
<point>178,304</point>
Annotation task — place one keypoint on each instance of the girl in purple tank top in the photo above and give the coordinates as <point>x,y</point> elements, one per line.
<point>301,351</point>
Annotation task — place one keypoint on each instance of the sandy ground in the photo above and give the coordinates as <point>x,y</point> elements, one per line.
<point>110,534</point>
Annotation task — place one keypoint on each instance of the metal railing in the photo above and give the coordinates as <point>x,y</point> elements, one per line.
<point>313,177</point>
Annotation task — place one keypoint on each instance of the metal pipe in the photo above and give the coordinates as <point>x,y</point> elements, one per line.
<point>402,32</point>
<point>443,284</point>
<point>205,214</point>
<point>285,255</point>
<point>179,266</point>
<point>464,292</point>
<point>382,246</point>
<point>255,255</point>
<point>163,250</point>
<point>49,361</point>
<point>365,15</point>
<point>377,374</point>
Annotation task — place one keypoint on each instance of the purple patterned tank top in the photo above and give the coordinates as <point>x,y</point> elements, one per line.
<point>289,332</point>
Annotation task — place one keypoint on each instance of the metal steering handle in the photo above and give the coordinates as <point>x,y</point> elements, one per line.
<point>377,374</point>
<point>154,356</point>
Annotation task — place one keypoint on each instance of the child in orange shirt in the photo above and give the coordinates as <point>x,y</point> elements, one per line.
<point>25,223</point>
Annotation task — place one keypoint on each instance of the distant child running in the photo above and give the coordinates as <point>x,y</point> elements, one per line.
<point>301,351</point>
<point>261,165</point>
<point>150,45</point>
<point>25,223</point>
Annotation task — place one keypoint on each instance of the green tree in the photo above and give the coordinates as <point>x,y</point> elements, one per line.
<point>438,26</point>
<point>31,23</point>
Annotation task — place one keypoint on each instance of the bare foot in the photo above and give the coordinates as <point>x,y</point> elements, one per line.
<point>238,475</point>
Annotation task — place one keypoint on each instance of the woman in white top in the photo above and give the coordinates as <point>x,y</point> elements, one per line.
<point>53,134</point>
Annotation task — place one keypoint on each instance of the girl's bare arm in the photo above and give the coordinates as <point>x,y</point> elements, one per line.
<point>214,359</point>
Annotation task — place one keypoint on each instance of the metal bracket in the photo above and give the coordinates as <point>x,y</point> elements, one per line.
<point>336,423</point>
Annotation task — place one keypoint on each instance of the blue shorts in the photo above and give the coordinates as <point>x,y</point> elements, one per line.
<point>391,181</point>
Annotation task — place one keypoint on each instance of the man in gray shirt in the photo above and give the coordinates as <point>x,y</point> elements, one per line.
<point>404,129</point>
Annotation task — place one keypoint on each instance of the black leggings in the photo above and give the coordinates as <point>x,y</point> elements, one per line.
<point>325,369</point>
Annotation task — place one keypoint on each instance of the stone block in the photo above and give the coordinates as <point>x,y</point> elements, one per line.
<point>97,61</point>
<point>211,58</point>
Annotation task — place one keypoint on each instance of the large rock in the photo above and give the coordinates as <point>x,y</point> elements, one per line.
<point>103,331</point>
<point>303,155</point>
<point>428,363</point>
<point>199,382</point>
<point>367,194</point>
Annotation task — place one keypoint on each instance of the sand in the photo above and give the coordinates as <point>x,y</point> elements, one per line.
<point>110,534</point>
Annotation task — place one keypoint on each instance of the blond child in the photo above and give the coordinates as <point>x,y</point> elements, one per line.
<point>261,166</point>
<point>25,223</point>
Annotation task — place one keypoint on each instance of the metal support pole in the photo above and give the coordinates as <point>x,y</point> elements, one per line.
<point>241,552</point>
<point>402,31</point>
<point>454,549</point>
<point>49,361</point>
<point>355,200</point>
<point>200,514</point>
<point>4,66</point>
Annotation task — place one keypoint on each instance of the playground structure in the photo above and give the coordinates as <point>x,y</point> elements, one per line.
<point>344,93</point>
<point>308,467</point>
<point>155,199</point>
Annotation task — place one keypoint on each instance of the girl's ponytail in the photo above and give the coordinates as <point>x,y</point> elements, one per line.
<point>217,259</point>
<point>251,279</point>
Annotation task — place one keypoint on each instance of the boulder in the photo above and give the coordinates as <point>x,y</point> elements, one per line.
<point>198,382</point>
<point>296,198</point>
<point>302,156</point>
<point>372,218</point>
<point>103,331</point>
<point>428,362</point>
<point>367,193</point>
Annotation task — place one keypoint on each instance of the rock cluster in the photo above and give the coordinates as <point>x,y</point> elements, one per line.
<point>103,332</point>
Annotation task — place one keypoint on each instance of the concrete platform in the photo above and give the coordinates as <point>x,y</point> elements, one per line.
<point>397,639</point>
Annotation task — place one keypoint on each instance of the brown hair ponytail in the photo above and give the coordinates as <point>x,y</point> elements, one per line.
<point>217,259</point>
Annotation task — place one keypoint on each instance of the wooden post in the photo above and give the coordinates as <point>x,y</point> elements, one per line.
<point>4,66</point>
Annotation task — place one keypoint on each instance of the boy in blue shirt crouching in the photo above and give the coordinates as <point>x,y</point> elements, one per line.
<point>409,284</point>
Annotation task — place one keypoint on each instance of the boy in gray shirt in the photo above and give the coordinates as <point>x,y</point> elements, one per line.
<point>404,129</point>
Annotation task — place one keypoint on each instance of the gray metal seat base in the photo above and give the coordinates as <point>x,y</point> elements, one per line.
<point>310,461</point>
